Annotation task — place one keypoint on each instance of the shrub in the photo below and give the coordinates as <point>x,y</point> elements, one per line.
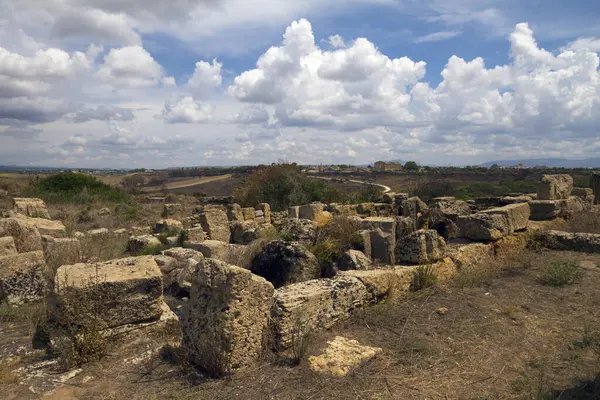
<point>423,277</point>
<point>77,188</point>
<point>582,222</point>
<point>561,273</point>
<point>333,239</point>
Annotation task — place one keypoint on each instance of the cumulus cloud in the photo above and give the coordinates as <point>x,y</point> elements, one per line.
<point>187,111</point>
<point>253,114</point>
<point>206,77</point>
<point>130,66</point>
<point>101,113</point>
<point>585,43</point>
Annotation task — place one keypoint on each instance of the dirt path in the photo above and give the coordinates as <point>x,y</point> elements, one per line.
<point>386,189</point>
<point>189,182</point>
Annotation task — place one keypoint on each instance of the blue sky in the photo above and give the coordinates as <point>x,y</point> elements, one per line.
<point>103,83</point>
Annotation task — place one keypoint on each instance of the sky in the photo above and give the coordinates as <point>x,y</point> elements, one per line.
<point>155,84</point>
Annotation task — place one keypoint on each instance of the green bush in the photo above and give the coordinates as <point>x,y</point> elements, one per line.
<point>75,188</point>
<point>423,277</point>
<point>561,273</point>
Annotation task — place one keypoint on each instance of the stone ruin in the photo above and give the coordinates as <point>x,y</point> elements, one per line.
<point>242,289</point>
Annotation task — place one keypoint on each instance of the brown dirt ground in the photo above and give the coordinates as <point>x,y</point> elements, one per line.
<point>512,338</point>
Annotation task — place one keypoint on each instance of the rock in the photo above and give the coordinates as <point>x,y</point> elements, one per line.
<point>388,198</point>
<point>517,215</point>
<point>98,232</point>
<point>566,241</point>
<point>364,242</point>
<point>311,211</point>
<point>595,185</point>
<point>166,265</point>
<point>314,305</point>
<point>26,237</point>
<point>451,208</point>
<point>141,243</point>
<point>60,251</point>
<point>244,232</point>
<point>294,212</point>
<point>386,224</point>
<point>248,213</point>
<point>404,226</point>
<point>30,207</point>
<point>218,250</point>
<point>45,226</point>
<point>586,194</point>
<point>180,253</point>
<point>171,209</point>
<point>234,212</point>
<point>514,200</point>
<point>353,260</point>
<point>546,210</point>
<point>22,277</point>
<point>554,187</point>
<point>421,247</point>
<point>7,246</point>
<point>128,289</point>
<point>195,234</point>
<point>471,254</point>
<point>366,209</point>
<point>226,317</point>
<point>385,282</point>
<point>167,225</point>
<point>299,230</point>
<point>259,214</point>
<point>104,212</point>
<point>483,226</point>
<point>417,210</point>
<point>266,210</point>
<point>216,225</point>
<point>283,263</point>
<point>342,356</point>
<point>382,246</point>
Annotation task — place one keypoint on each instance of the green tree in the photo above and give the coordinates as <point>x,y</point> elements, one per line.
<point>411,166</point>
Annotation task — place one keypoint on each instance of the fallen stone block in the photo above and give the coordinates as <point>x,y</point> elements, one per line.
<point>60,251</point>
<point>586,194</point>
<point>471,254</point>
<point>517,215</point>
<point>30,207</point>
<point>298,230</point>
<point>366,209</point>
<point>451,208</point>
<point>283,263</point>
<point>484,226</point>
<point>386,224</point>
<point>7,246</point>
<point>420,247</point>
<point>382,246</point>
<point>353,260</point>
<point>554,187</point>
<point>216,225</point>
<point>229,253</point>
<point>141,243</point>
<point>566,241</point>
<point>311,211</point>
<point>171,209</point>
<point>294,212</point>
<point>244,232</point>
<point>45,226</point>
<point>506,200</point>
<point>127,290</point>
<point>266,210</point>
<point>234,212</point>
<point>167,224</point>
<point>314,305</point>
<point>22,277</point>
<point>26,237</point>
<point>384,282</point>
<point>195,234</point>
<point>342,356</point>
<point>546,210</point>
<point>248,213</point>
<point>226,317</point>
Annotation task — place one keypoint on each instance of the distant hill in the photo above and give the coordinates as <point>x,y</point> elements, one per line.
<point>548,162</point>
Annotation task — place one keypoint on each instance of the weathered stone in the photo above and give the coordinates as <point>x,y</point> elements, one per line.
<point>180,253</point>
<point>384,210</point>
<point>244,232</point>
<point>60,251</point>
<point>302,230</point>
<point>353,260</point>
<point>311,211</point>
<point>554,187</point>
<point>294,212</point>
<point>421,247</point>
<point>22,277</point>
<point>364,242</point>
<point>195,234</point>
<point>142,242</point>
<point>566,241</point>
<point>31,207</point>
<point>98,232</point>
<point>451,208</point>
<point>545,210</point>
<point>386,224</point>
<point>216,249</point>
<point>226,317</point>
<point>7,246</point>
<point>405,226</point>
<point>414,208</point>
<point>471,254</point>
<point>382,246</point>
<point>266,209</point>
<point>129,290</point>
<point>366,209</point>
<point>511,245</point>
<point>517,215</point>
<point>586,194</point>
<point>259,214</point>
<point>167,225</point>
<point>171,209</point>
<point>45,226</point>
<point>27,238</point>
<point>514,200</point>
<point>484,226</point>
<point>314,305</point>
<point>248,213</point>
<point>234,212</point>
<point>283,263</point>
<point>166,265</point>
<point>384,283</point>
<point>215,224</point>
<point>342,356</point>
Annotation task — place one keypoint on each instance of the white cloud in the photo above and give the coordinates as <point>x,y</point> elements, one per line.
<point>130,66</point>
<point>253,114</point>
<point>585,43</point>
<point>206,77</point>
<point>437,36</point>
<point>187,110</point>
<point>336,41</point>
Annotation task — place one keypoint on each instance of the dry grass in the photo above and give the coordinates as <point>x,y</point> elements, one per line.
<point>584,222</point>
